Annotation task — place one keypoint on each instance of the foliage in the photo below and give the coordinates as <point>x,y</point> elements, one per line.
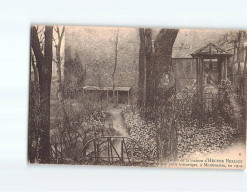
<point>142,132</point>
<point>225,108</point>
<point>204,140</point>
<point>85,120</point>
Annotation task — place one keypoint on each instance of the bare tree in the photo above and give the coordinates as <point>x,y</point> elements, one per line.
<point>239,36</point>
<point>60,92</point>
<point>245,61</point>
<point>142,62</point>
<point>114,69</point>
<point>232,41</point>
<point>58,44</point>
<point>44,67</point>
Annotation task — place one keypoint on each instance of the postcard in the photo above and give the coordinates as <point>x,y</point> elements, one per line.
<point>151,97</point>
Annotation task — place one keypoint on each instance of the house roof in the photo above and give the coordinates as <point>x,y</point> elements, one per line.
<point>95,88</point>
<point>210,50</point>
<point>181,53</point>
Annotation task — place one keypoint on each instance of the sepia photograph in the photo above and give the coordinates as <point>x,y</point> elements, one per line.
<point>149,97</point>
<point>114,96</point>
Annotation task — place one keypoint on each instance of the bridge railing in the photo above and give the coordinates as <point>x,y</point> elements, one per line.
<point>112,149</point>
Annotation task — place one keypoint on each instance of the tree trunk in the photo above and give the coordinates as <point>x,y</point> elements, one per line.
<point>164,85</point>
<point>146,69</point>
<point>33,126</point>
<point>238,50</point>
<point>233,61</point>
<point>60,92</point>
<point>149,69</point>
<point>114,70</point>
<point>45,89</point>
<point>163,59</point>
<point>44,65</point>
<point>245,61</point>
<point>142,66</point>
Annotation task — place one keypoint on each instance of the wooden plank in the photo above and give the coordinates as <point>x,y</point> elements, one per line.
<point>122,151</point>
<point>128,97</point>
<point>126,150</point>
<point>108,148</point>
<point>95,149</point>
<point>107,96</point>
<point>117,97</point>
<point>115,149</point>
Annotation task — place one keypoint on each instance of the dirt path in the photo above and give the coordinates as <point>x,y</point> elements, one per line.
<point>119,126</point>
<point>117,122</point>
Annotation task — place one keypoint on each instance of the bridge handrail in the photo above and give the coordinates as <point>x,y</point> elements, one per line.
<point>123,137</point>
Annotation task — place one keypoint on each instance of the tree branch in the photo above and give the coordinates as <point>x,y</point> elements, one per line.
<point>36,45</point>
<point>120,49</point>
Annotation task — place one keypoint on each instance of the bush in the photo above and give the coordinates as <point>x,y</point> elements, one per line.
<point>204,140</point>
<point>225,106</point>
<point>143,134</point>
<point>71,128</point>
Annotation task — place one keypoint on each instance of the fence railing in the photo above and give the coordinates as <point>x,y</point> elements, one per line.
<point>109,149</point>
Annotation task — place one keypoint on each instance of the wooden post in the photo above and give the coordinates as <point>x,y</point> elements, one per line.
<point>117,97</point>
<point>226,66</point>
<point>108,142</point>
<point>95,150</point>
<point>122,151</point>
<point>203,71</point>
<point>107,96</point>
<point>200,75</point>
<point>56,152</point>
<point>219,70</point>
<point>200,90</point>
<point>111,149</point>
<point>126,150</point>
<point>115,150</point>
<point>128,97</point>
<point>131,152</point>
<point>224,69</point>
<point>197,70</point>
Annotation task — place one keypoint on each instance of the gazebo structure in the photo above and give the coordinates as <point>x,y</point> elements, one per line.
<point>212,63</point>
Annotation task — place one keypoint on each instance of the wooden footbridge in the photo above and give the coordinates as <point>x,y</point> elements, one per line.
<point>113,149</point>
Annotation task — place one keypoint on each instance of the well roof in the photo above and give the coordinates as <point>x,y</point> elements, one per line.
<point>210,50</point>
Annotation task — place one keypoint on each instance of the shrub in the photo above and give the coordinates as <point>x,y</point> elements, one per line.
<point>143,134</point>
<point>225,106</point>
<point>80,121</point>
<point>204,140</point>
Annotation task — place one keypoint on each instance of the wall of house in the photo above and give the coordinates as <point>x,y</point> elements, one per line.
<point>95,49</point>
